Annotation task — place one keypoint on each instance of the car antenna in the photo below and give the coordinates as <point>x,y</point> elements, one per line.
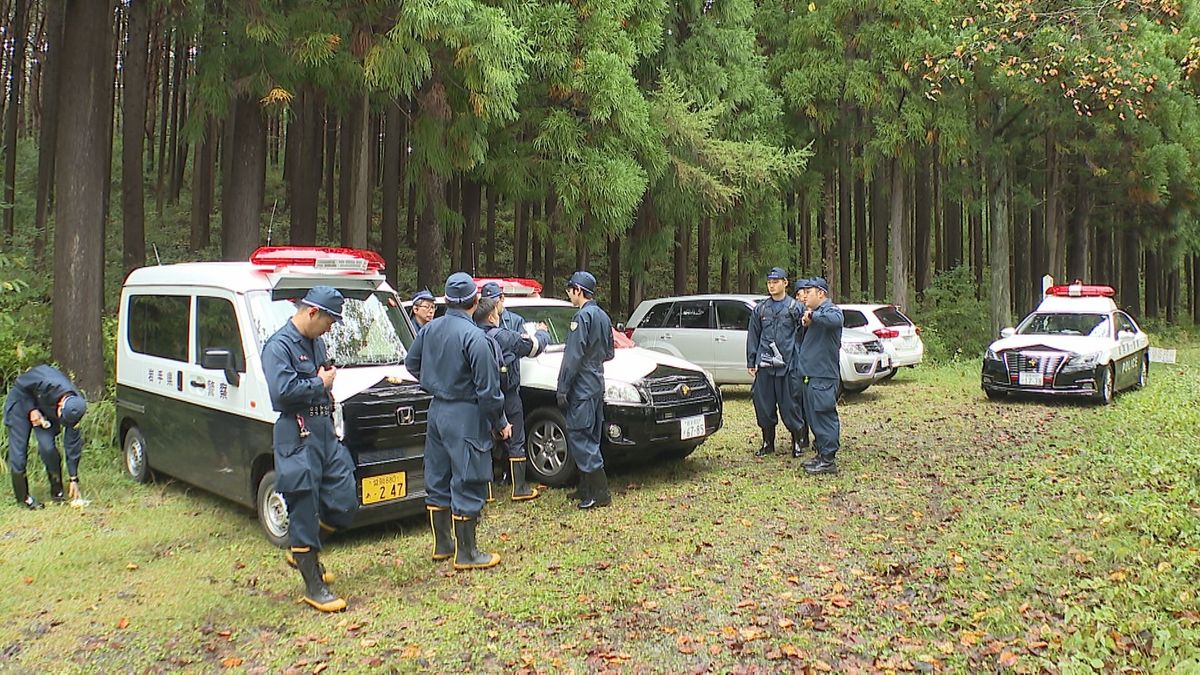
<point>271,222</point>
<point>156,258</point>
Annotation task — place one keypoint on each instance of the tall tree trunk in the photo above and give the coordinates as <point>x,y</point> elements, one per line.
<point>1102,250</point>
<point>331,189</point>
<point>358,217</point>
<point>202,189</point>
<point>975,223</point>
<point>896,226</point>
<point>304,162</point>
<point>845,241</point>
<point>806,237</point>
<point>1054,238</point>
<point>998,231</point>
<point>614,271</point>
<point>829,241</point>
<point>164,122</point>
<point>1152,275</point>
<point>1036,251</point>
<point>704,252</point>
<point>1195,286</point>
<point>243,195</point>
<point>683,245</point>
<point>1131,262</point>
<point>520,239</point>
<point>16,35</point>
<point>178,138</point>
<point>48,134</point>
<point>549,279</point>
<point>492,198</point>
<point>923,222</point>
<point>76,337</point>
<point>952,212</point>
<point>879,237</point>
<point>390,226</point>
<point>429,232</point>
<point>1023,293</point>
<point>1173,295</point>
<point>860,235</point>
<point>725,287</point>
<point>472,194</point>
<point>1079,229</point>
<point>133,135</point>
<point>345,172</point>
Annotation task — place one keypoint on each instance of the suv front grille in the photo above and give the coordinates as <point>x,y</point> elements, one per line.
<point>676,393</point>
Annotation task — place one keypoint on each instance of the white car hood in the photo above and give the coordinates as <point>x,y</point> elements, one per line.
<point>352,381</point>
<point>1080,344</point>
<point>629,365</point>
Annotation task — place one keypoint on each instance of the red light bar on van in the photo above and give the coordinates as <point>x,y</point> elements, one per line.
<point>318,257</point>
<point>1080,290</point>
<point>514,286</point>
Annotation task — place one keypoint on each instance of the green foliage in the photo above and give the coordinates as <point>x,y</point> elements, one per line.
<point>953,321</point>
<point>24,317</point>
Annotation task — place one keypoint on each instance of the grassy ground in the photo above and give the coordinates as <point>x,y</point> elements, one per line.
<point>960,535</point>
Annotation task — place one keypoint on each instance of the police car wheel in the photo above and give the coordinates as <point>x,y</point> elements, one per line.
<point>272,511</point>
<point>546,447</point>
<point>134,449</point>
<point>1106,386</point>
<point>890,375</point>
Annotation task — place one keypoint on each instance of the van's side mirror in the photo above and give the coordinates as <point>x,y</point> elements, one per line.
<point>220,358</point>
<point>1008,332</point>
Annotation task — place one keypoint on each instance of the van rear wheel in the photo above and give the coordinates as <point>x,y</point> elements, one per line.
<point>137,465</point>
<point>272,511</point>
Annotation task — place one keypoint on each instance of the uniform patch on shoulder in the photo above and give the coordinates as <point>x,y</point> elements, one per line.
<point>574,325</point>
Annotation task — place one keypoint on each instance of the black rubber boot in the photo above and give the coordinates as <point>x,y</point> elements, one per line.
<point>316,593</point>
<point>768,443</point>
<point>581,488</point>
<point>800,443</point>
<point>521,490</point>
<point>326,575</point>
<point>598,494</point>
<point>821,465</point>
<point>56,486</point>
<point>21,492</point>
<point>443,539</point>
<point>467,555</point>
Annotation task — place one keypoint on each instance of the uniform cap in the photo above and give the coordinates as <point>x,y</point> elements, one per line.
<point>777,273</point>
<point>584,281</point>
<point>802,284</point>
<point>72,410</point>
<point>491,290</point>
<point>819,282</point>
<point>460,288</point>
<point>327,299</point>
<point>422,294</point>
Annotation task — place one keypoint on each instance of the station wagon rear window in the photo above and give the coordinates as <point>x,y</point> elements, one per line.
<point>892,317</point>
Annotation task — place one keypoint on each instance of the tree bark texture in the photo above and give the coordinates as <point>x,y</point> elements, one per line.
<point>16,39</point>
<point>48,134</point>
<point>133,127</point>
<point>896,226</point>
<point>243,195</point>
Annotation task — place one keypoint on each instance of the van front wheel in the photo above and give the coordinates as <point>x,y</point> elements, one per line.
<point>137,465</point>
<point>272,511</point>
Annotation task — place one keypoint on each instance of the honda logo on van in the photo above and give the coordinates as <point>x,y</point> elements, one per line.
<point>406,415</point>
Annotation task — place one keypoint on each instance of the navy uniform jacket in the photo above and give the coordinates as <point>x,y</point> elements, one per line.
<point>514,346</point>
<point>589,345</point>
<point>290,362</point>
<point>516,323</point>
<point>775,321</point>
<point>41,387</point>
<point>820,352</point>
<point>454,361</point>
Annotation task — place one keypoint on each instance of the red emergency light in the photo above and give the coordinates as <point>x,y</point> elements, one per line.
<point>516,286</point>
<point>1081,290</point>
<point>319,257</point>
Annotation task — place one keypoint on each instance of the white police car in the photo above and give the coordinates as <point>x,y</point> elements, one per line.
<point>1076,343</point>
<point>192,400</point>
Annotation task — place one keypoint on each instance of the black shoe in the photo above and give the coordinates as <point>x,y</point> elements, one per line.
<point>56,486</point>
<point>467,555</point>
<point>21,492</point>
<point>821,466</point>
<point>520,489</point>
<point>443,540</point>
<point>316,593</point>
<point>598,494</point>
<point>799,444</point>
<point>581,489</point>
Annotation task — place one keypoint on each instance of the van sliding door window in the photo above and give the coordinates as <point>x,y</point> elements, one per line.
<point>158,325</point>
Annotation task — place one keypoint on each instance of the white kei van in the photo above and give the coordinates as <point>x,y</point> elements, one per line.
<point>192,399</point>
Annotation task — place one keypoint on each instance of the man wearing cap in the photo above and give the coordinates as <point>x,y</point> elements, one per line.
<point>422,308</point>
<point>454,362</point>
<point>313,471</point>
<point>819,366</point>
<point>772,346</point>
<point>43,401</point>
<point>581,388</point>
<point>514,345</point>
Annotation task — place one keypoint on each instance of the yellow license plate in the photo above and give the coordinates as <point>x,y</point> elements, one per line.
<point>384,488</point>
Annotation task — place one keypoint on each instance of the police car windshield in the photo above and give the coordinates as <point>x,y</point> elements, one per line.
<point>373,332</point>
<point>557,319</point>
<point>1091,325</point>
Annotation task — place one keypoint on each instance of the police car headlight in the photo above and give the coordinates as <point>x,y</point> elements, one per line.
<point>990,355</point>
<point>854,348</point>
<point>621,392</point>
<point>1082,361</point>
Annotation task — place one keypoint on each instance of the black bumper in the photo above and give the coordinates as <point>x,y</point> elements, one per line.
<point>645,429</point>
<point>996,378</point>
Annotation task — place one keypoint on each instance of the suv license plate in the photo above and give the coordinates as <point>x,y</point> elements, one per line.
<point>1029,379</point>
<point>384,488</point>
<point>691,427</point>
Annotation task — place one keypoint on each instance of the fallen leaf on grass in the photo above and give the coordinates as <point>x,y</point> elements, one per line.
<point>1007,659</point>
<point>410,652</point>
<point>231,662</point>
<point>123,623</point>
<point>131,566</point>
<point>320,667</point>
<point>225,633</point>
<point>28,580</point>
<point>752,633</point>
<point>684,644</point>
<point>786,623</point>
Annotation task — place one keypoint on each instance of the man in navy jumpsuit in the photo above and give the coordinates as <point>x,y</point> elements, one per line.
<point>453,361</point>
<point>819,366</point>
<point>772,347</point>
<point>43,401</point>
<point>514,344</point>
<point>581,388</point>
<point>313,471</point>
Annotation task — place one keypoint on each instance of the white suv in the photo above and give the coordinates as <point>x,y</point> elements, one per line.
<point>901,338</point>
<point>710,331</point>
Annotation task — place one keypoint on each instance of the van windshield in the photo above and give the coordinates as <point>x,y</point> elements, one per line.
<point>373,332</point>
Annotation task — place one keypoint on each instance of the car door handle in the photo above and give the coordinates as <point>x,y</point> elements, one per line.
<point>722,338</point>
<point>666,336</point>
<point>197,382</point>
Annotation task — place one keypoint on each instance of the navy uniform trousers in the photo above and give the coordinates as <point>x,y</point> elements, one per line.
<point>458,464</point>
<point>19,429</point>
<point>315,474</point>
<point>820,410</point>
<point>771,392</point>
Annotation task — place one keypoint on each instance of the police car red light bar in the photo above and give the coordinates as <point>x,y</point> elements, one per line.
<point>514,285</point>
<point>319,257</point>
<point>1079,290</point>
